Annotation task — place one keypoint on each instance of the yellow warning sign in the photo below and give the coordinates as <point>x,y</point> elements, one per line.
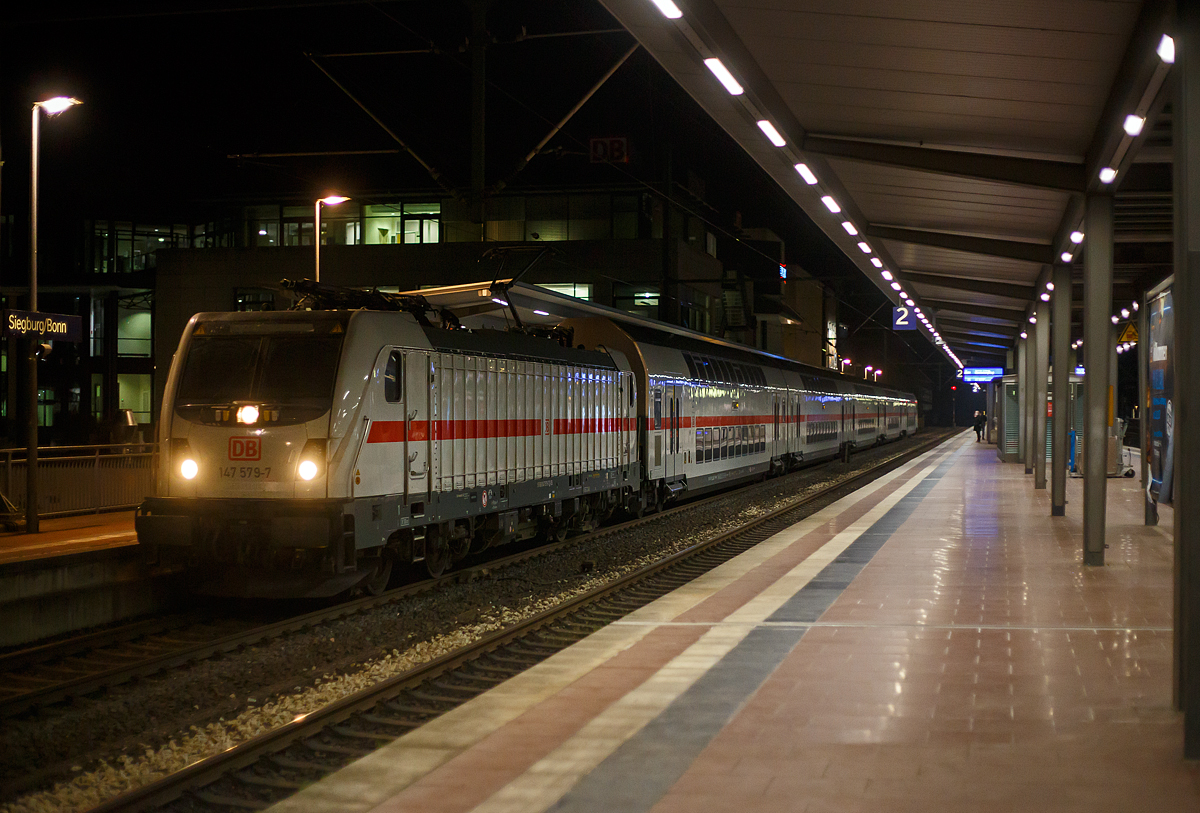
<point>1129,334</point>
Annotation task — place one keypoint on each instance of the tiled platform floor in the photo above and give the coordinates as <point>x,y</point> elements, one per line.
<point>973,664</point>
<point>62,536</point>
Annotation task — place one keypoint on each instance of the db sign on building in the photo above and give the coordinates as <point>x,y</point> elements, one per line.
<point>609,150</point>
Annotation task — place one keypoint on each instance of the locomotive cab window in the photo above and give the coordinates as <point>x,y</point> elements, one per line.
<point>393,381</point>
<point>282,368</point>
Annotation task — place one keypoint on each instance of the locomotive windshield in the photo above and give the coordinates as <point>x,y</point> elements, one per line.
<point>276,369</point>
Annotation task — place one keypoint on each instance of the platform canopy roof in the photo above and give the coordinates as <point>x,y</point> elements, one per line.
<point>958,137</point>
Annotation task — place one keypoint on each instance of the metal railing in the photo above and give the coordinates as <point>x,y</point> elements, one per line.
<point>81,479</point>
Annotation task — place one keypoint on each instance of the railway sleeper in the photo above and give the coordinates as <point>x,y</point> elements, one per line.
<point>455,684</point>
<point>425,705</point>
<point>478,670</point>
<point>525,647</point>
<point>558,637</point>
<point>480,683</point>
<point>497,673</point>
<point>291,763</point>
<point>580,625</point>
<point>267,781</point>
<point>222,800</point>
<point>322,747</point>
<point>448,695</point>
<point>390,722</point>
<point>514,659</point>
<point>358,734</point>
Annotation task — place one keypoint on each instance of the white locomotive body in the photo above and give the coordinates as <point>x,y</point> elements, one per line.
<point>305,452</point>
<point>410,442</point>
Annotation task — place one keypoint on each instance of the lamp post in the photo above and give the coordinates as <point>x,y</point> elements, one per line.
<point>867,370</point>
<point>51,107</point>
<point>842,365</point>
<point>877,374</point>
<point>329,200</point>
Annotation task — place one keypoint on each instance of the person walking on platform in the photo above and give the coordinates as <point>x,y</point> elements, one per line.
<point>980,422</point>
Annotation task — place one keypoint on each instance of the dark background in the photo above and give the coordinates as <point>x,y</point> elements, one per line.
<point>179,104</point>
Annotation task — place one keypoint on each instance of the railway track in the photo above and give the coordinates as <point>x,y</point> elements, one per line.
<point>275,764</point>
<point>78,666</point>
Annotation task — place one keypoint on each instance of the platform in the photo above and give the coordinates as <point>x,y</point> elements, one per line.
<point>62,536</point>
<point>931,642</point>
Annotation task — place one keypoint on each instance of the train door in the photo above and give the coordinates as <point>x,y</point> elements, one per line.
<point>774,447</point>
<point>382,441</point>
<point>673,395</point>
<point>655,446</point>
<point>418,402</point>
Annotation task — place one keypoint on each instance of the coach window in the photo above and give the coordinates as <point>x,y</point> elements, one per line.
<point>392,379</point>
<point>658,409</point>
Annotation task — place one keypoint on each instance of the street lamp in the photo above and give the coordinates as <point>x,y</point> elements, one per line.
<point>877,374</point>
<point>867,370</point>
<point>330,200</point>
<point>842,368</point>
<point>51,107</point>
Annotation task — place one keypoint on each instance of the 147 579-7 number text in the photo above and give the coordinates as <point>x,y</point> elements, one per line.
<point>246,472</point>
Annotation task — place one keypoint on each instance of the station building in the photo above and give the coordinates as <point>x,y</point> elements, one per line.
<point>135,284</point>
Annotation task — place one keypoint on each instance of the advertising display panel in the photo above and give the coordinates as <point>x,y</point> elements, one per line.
<point>1161,384</point>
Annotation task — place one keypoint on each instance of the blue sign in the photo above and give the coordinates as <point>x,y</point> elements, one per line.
<point>43,326</point>
<point>903,318</point>
<point>981,375</point>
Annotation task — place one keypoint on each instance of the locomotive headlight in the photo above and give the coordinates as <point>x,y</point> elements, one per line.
<point>247,414</point>
<point>181,451</point>
<point>312,459</point>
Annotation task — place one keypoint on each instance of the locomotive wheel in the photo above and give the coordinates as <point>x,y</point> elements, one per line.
<point>377,582</point>
<point>460,546</point>
<point>559,532</point>
<point>437,555</point>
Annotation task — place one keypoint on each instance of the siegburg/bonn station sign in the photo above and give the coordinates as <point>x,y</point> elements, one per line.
<point>43,326</point>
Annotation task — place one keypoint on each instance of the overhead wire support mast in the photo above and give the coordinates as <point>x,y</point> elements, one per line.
<point>433,171</point>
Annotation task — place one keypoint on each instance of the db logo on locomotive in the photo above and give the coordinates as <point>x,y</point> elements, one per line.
<point>245,449</point>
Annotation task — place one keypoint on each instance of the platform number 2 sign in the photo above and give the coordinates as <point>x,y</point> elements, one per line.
<point>903,319</point>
